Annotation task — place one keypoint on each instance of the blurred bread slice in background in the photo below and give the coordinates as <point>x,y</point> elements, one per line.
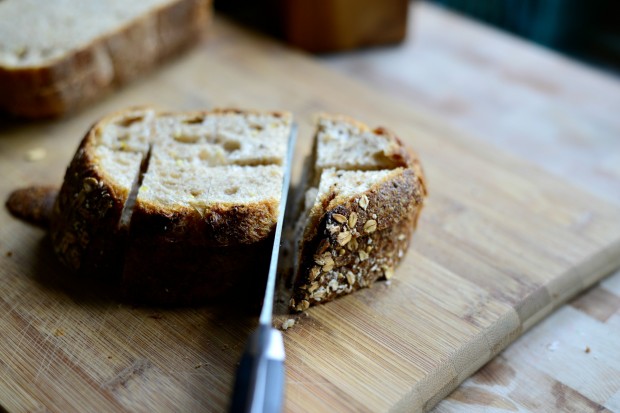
<point>58,55</point>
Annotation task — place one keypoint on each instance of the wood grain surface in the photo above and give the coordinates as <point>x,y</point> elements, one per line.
<point>561,116</point>
<point>500,244</point>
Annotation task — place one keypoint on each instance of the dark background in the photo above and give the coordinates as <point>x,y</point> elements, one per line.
<point>588,30</point>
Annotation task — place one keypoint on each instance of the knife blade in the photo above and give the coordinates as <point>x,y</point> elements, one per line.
<point>259,382</point>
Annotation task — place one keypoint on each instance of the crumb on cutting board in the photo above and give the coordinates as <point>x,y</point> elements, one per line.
<point>36,154</point>
<point>553,346</point>
<point>288,324</point>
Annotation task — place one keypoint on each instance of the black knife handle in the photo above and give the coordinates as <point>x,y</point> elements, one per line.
<point>259,385</point>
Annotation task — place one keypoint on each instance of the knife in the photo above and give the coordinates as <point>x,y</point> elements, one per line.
<point>259,383</point>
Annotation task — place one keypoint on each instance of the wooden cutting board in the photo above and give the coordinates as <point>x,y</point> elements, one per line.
<point>499,245</point>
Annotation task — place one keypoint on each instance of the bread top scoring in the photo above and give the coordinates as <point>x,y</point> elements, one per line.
<point>349,159</point>
<point>346,144</point>
<point>227,163</point>
<point>34,33</point>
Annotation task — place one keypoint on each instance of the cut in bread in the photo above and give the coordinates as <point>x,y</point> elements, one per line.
<point>365,194</point>
<point>57,55</point>
<point>182,204</point>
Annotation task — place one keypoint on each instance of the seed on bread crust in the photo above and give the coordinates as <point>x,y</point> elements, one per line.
<point>341,219</point>
<point>333,229</point>
<point>319,294</point>
<point>302,306</point>
<point>344,238</point>
<point>90,183</point>
<point>352,219</point>
<point>314,272</point>
<point>352,245</point>
<point>319,259</point>
<point>363,202</point>
<point>332,285</point>
<point>370,226</point>
<point>388,272</point>
<point>326,261</point>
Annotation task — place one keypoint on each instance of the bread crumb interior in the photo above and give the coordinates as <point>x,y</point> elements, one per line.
<point>194,160</point>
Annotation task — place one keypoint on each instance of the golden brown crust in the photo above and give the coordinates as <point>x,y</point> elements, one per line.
<point>84,75</point>
<point>340,249</point>
<point>216,225</point>
<point>85,220</point>
<point>33,204</point>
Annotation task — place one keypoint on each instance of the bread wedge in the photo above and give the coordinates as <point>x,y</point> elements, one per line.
<point>57,55</point>
<point>183,205</point>
<point>364,196</point>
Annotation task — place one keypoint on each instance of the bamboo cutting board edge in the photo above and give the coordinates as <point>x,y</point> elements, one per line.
<point>494,339</point>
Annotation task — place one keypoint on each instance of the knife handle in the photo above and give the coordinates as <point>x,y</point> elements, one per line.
<point>259,384</point>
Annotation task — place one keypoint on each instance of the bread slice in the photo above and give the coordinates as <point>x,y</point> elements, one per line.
<point>365,194</point>
<point>183,205</point>
<point>57,55</point>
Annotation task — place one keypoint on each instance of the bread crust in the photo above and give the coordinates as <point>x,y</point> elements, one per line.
<point>339,254</point>
<point>165,271</point>
<point>33,204</point>
<point>85,219</point>
<point>83,75</point>
<point>218,225</point>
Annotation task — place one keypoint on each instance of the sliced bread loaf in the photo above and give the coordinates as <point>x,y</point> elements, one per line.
<point>57,55</point>
<point>181,204</point>
<point>363,200</point>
